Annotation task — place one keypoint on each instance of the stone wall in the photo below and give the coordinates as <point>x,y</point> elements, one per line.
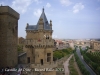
<point>22,58</point>
<point>8,36</point>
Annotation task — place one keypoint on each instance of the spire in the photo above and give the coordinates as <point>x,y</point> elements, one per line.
<point>44,20</point>
<point>43,9</point>
<point>50,22</point>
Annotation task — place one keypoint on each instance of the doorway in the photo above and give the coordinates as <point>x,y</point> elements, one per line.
<point>28,59</point>
<point>41,61</point>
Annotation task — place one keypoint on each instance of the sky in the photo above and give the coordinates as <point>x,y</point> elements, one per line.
<point>71,19</point>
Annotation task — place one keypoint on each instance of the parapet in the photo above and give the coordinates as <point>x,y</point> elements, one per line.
<point>6,10</point>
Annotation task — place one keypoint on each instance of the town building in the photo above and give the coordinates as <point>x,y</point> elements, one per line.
<point>95,45</point>
<point>61,44</point>
<point>8,36</point>
<point>21,41</point>
<point>20,45</point>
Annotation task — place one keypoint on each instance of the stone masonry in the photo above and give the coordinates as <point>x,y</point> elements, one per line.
<point>39,44</point>
<point>8,36</point>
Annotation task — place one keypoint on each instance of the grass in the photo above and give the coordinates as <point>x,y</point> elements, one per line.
<point>72,69</point>
<point>60,65</point>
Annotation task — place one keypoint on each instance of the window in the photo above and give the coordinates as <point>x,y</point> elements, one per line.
<point>47,37</point>
<point>48,54</point>
<point>48,59</point>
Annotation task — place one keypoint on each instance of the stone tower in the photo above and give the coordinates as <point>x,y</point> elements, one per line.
<point>8,36</point>
<point>39,44</point>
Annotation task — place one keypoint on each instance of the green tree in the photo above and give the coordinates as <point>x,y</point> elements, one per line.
<point>20,48</point>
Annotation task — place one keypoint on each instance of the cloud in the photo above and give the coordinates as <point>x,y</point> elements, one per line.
<point>65,2</point>
<point>78,7</point>
<point>21,5</point>
<point>38,1</point>
<point>48,5</point>
<point>37,12</point>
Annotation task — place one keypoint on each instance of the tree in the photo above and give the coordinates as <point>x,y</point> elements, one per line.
<point>20,48</point>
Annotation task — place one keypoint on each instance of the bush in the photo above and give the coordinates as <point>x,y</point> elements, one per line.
<point>61,53</point>
<point>80,65</point>
<point>93,59</point>
<point>20,47</point>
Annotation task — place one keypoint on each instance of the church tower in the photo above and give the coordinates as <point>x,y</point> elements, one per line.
<point>40,45</point>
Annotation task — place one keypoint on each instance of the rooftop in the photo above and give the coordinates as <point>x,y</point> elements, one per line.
<point>9,10</point>
<point>46,23</point>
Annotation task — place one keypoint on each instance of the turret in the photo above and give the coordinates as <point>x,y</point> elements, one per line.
<point>50,24</point>
<point>27,25</point>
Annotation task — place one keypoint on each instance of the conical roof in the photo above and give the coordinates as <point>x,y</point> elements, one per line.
<point>46,23</point>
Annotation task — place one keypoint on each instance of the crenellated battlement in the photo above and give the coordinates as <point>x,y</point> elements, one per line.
<point>39,43</point>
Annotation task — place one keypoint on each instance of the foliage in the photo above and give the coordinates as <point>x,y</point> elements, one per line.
<point>92,59</point>
<point>80,65</point>
<point>20,48</point>
<point>61,53</point>
<point>72,68</point>
<point>58,54</point>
